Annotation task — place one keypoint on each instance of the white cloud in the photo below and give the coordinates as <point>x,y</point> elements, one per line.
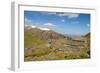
<point>49,24</point>
<point>69,15</point>
<point>62,20</point>
<point>62,14</point>
<point>33,26</point>
<point>73,15</point>
<point>49,13</point>
<point>28,20</point>
<point>88,25</point>
<point>44,28</point>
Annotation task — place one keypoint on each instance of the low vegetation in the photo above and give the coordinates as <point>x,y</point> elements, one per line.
<point>48,45</point>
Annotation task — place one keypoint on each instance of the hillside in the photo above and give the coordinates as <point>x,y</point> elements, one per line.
<point>38,37</point>
<point>44,44</point>
<point>87,42</point>
<point>87,36</point>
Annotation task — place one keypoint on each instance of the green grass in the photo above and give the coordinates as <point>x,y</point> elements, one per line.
<point>41,52</point>
<point>30,41</point>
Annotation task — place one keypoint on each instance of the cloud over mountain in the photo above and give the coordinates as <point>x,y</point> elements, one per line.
<point>32,26</point>
<point>49,24</point>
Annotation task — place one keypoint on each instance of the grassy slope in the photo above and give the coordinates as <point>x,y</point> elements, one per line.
<point>32,40</point>
<point>40,52</point>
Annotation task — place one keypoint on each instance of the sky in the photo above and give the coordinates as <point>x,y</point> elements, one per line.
<point>61,22</point>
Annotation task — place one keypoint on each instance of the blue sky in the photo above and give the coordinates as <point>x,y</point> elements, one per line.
<point>61,22</point>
